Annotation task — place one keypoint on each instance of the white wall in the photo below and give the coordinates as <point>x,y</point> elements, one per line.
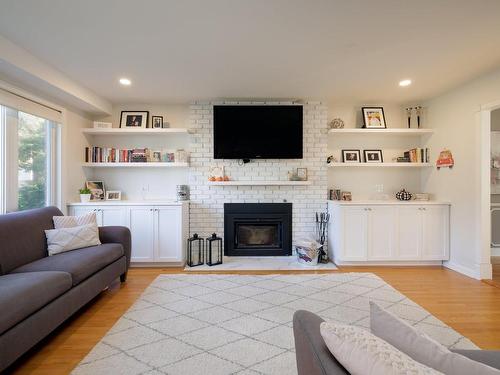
<point>454,115</point>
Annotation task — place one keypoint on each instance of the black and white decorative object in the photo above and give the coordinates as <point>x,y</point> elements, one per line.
<point>337,123</point>
<point>418,112</point>
<point>195,251</point>
<point>403,195</point>
<point>408,115</point>
<point>214,250</point>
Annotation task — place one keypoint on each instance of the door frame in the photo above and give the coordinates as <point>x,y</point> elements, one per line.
<point>483,226</point>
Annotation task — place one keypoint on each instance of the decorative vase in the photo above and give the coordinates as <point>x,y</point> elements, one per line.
<point>403,195</point>
<point>85,198</point>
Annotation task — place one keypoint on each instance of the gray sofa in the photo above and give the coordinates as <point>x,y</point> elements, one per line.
<point>38,292</point>
<point>314,358</point>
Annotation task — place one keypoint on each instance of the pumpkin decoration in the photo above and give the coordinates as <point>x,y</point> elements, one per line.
<point>403,195</point>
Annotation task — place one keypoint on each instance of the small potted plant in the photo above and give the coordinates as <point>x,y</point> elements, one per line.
<point>85,195</point>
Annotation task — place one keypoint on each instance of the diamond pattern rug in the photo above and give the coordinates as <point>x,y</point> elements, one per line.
<point>242,324</point>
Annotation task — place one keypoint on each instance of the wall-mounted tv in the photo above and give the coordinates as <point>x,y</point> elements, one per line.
<point>258,131</point>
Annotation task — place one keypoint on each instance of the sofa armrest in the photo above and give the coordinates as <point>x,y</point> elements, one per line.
<point>312,354</point>
<point>119,235</point>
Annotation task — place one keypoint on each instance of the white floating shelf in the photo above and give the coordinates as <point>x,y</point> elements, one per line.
<point>389,131</point>
<point>136,165</point>
<point>259,183</point>
<point>139,131</point>
<point>379,165</point>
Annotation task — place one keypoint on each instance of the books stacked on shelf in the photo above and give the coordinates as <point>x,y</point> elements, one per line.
<point>416,155</point>
<point>95,154</point>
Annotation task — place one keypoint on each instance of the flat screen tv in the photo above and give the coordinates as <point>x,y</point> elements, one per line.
<point>258,131</point>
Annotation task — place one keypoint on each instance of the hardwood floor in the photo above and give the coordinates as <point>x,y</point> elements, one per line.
<point>469,306</point>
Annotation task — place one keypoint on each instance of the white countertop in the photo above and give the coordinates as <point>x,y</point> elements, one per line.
<point>386,202</point>
<point>130,203</point>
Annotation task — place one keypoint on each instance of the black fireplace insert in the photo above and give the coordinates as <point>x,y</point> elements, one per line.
<point>257,229</point>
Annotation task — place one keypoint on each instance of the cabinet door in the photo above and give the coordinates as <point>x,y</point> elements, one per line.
<point>354,234</point>
<point>168,228</point>
<point>435,233</point>
<point>381,223</point>
<point>113,215</point>
<point>83,210</point>
<point>409,233</point>
<point>141,221</point>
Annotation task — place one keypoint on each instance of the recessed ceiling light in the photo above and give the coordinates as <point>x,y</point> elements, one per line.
<point>405,82</point>
<point>125,81</point>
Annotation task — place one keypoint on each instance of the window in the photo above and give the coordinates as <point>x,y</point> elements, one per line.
<point>29,173</point>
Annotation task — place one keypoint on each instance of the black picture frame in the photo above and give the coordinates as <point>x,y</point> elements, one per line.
<point>346,158</point>
<point>155,120</point>
<point>144,119</point>
<point>380,158</point>
<point>369,124</point>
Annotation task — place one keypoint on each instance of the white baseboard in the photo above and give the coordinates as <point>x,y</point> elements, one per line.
<point>470,272</point>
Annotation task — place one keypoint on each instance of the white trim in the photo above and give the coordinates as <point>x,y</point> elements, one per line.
<point>474,273</point>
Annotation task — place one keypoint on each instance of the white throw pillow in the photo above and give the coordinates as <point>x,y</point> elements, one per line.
<point>362,353</point>
<point>66,239</point>
<point>74,221</point>
<point>421,347</point>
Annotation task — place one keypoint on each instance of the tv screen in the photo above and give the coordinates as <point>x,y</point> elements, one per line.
<point>258,131</point>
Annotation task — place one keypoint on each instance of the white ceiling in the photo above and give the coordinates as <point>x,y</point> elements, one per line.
<point>334,50</point>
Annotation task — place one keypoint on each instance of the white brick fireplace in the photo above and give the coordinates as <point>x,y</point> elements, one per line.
<point>207,202</point>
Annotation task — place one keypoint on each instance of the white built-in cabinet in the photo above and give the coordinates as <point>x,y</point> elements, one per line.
<point>396,233</point>
<point>158,231</point>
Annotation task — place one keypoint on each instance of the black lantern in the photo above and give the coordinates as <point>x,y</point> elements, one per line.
<point>195,251</point>
<point>214,250</point>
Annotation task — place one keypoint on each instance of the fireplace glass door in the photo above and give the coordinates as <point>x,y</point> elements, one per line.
<point>258,235</point>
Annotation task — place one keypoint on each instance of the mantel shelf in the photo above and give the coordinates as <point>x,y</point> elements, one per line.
<point>389,131</point>
<point>136,165</point>
<point>140,131</point>
<point>259,183</point>
<point>379,165</point>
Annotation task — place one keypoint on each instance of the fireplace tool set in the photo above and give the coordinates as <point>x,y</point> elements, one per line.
<point>322,219</point>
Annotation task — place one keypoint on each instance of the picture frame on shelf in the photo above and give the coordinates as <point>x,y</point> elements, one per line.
<point>346,196</point>
<point>373,156</point>
<point>97,191</point>
<point>373,118</point>
<point>302,174</point>
<point>113,195</point>
<point>157,122</point>
<point>156,156</point>
<point>351,156</point>
<point>134,119</point>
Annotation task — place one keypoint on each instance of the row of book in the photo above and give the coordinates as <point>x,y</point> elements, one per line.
<point>97,154</point>
<point>416,155</point>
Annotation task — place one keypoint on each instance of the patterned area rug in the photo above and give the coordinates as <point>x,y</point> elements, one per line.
<point>237,324</point>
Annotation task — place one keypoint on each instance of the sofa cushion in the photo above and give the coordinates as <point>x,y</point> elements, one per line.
<point>81,263</point>
<point>67,239</point>
<point>23,236</point>
<point>22,294</point>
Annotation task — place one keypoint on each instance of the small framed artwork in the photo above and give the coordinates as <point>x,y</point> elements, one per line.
<point>373,156</point>
<point>351,156</point>
<point>134,119</point>
<point>113,195</point>
<point>97,191</point>
<point>156,156</point>
<point>346,196</point>
<point>156,122</point>
<point>302,174</point>
<point>373,117</point>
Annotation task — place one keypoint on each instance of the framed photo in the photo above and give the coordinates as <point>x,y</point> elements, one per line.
<point>346,196</point>
<point>302,174</point>
<point>113,195</point>
<point>97,192</point>
<point>351,156</point>
<point>373,156</point>
<point>156,122</point>
<point>134,119</point>
<point>373,117</point>
<point>156,156</point>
